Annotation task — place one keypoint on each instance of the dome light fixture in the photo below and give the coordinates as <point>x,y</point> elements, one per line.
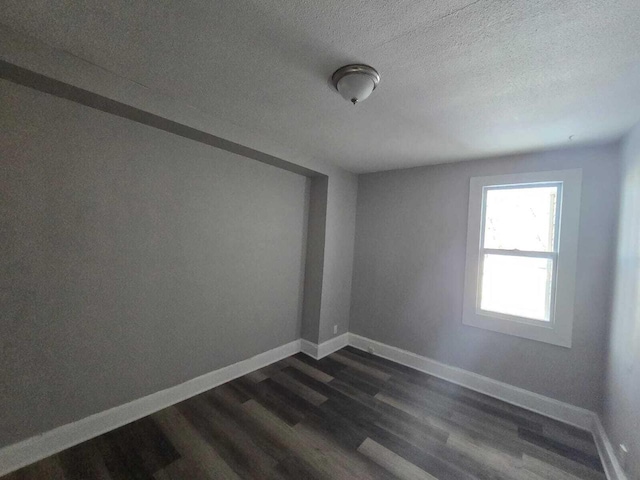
<point>355,82</point>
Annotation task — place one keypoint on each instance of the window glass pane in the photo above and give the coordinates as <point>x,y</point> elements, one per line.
<point>520,218</point>
<point>519,286</point>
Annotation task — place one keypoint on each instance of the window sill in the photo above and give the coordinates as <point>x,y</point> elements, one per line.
<point>542,333</point>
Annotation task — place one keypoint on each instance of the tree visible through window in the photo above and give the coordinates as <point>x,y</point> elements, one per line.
<point>519,249</point>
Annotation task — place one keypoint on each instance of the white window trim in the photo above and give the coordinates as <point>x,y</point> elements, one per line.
<point>559,330</point>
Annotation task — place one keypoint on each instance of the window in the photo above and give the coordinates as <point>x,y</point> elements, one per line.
<point>521,254</point>
<point>518,250</point>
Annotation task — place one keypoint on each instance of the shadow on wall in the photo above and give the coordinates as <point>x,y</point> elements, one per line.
<point>622,404</point>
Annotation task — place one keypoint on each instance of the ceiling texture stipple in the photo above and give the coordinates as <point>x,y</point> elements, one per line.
<point>461,79</point>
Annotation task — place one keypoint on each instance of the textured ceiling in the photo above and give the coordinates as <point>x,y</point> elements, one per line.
<point>460,79</point>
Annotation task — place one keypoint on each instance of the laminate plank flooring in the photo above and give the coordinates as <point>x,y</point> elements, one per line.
<point>350,415</point>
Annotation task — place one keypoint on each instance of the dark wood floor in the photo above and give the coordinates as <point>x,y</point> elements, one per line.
<point>350,415</point>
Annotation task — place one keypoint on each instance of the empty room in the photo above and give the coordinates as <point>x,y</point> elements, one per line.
<point>320,239</point>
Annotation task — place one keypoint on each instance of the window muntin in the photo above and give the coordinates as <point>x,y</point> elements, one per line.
<point>517,262</point>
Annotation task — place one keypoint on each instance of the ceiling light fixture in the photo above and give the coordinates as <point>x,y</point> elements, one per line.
<point>355,82</point>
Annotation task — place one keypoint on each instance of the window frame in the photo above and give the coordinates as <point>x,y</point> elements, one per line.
<point>558,329</point>
<point>550,255</point>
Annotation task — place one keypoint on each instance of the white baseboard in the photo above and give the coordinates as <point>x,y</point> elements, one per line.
<point>333,345</point>
<point>610,462</point>
<point>579,417</point>
<point>309,348</point>
<point>38,447</point>
<point>325,348</point>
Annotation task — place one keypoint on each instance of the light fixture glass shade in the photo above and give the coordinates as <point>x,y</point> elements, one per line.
<point>355,82</point>
<point>355,87</point>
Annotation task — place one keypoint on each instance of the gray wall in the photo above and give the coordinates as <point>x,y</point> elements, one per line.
<point>337,269</point>
<point>314,258</point>
<point>622,394</point>
<point>411,229</point>
<point>132,260</point>
<point>338,255</point>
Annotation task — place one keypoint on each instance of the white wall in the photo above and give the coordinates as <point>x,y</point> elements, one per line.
<point>622,393</point>
<point>411,231</point>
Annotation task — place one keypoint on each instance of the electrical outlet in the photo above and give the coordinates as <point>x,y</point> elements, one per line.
<point>335,329</point>
<point>622,455</point>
